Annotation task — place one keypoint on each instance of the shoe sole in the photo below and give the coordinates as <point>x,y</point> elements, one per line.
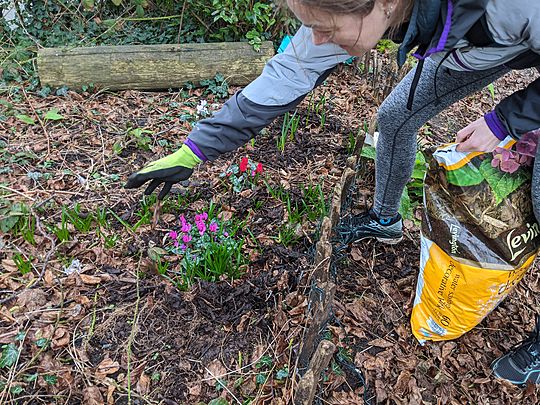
<point>390,241</point>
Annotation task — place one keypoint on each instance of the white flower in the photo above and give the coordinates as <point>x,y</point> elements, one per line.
<point>202,110</point>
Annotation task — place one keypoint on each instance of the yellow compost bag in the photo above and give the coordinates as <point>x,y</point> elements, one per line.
<point>479,237</point>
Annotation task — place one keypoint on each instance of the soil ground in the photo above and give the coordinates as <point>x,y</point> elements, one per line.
<point>115,331</point>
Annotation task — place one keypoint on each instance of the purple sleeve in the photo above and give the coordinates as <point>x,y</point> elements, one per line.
<point>195,149</point>
<point>495,125</point>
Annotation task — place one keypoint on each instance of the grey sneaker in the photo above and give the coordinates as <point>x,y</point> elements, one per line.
<point>368,225</point>
<point>522,364</point>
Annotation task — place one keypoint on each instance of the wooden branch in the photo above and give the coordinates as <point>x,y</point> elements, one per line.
<point>320,299</point>
<point>323,258</point>
<point>335,207</point>
<point>151,67</point>
<point>307,386</point>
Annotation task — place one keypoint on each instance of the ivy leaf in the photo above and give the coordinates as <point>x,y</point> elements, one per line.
<point>282,373</point>
<point>53,115</point>
<point>9,356</point>
<point>50,379</point>
<point>26,119</point>
<point>503,184</point>
<point>260,379</point>
<point>468,175</point>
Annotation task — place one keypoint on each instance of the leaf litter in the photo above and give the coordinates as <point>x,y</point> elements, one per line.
<point>112,330</point>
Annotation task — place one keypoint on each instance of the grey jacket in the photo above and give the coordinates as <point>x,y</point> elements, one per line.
<point>509,34</point>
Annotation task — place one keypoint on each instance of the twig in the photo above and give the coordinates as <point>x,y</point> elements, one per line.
<point>181,21</point>
<point>133,331</point>
<point>40,122</point>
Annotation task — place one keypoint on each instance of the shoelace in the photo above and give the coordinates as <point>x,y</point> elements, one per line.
<point>360,220</point>
<point>527,355</point>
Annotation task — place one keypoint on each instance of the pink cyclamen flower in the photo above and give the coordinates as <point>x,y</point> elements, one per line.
<point>225,234</point>
<point>201,217</point>
<point>186,238</point>
<point>201,226</point>
<point>173,235</point>
<point>213,227</point>
<point>183,247</point>
<point>186,227</point>
<point>182,219</point>
<point>505,160</point>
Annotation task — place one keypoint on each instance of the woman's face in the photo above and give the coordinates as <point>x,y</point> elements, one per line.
<point>353,33</point>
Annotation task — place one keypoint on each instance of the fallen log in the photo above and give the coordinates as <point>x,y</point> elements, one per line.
<point>151,67</point>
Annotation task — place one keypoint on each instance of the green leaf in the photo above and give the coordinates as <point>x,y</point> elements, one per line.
<point>8,223</point>
<point>116,2</point>
<point>503,184</point>
<point>16,389</point>
<point>53,115</point>
<point>139,10</point>
<point>9,355</point>
<point>88,4</point>
<point>42,342</point>
<point>265,361</point>
<point>50,379</point>
<point>260,379</point>
<point>26,119</point>
<point>368,152</point>
<point>405,207</point>
<point>282,373</point>
<point>419,170</point>
<point>468,175</point>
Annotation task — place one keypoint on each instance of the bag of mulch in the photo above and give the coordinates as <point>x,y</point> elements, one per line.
<point>479,235</point>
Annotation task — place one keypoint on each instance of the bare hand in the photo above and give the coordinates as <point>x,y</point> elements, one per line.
<point>476,137</point>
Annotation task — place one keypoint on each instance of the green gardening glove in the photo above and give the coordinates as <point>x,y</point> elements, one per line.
<point>169,170</point>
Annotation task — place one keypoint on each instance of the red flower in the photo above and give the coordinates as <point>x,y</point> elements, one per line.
<point>259,168</point>
<point>243,164</point>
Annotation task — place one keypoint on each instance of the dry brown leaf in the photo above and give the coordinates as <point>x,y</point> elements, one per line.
<point>60,338</point>
<point>87,279</point>
<point>143,385</point>
<point>225,215</point>
<point>381,343</point>
<point>195,389</point>
<point>265,239</point>
<point>110,392</point>
<point>106,367</point>
<point>214,371</point>
<point>447,348</point>
<point>356,254</point>
<point>32,299</point>
<point>48,278</point>
<point>92,396</point>
<point>168,218</point>
<point>9,266</point>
